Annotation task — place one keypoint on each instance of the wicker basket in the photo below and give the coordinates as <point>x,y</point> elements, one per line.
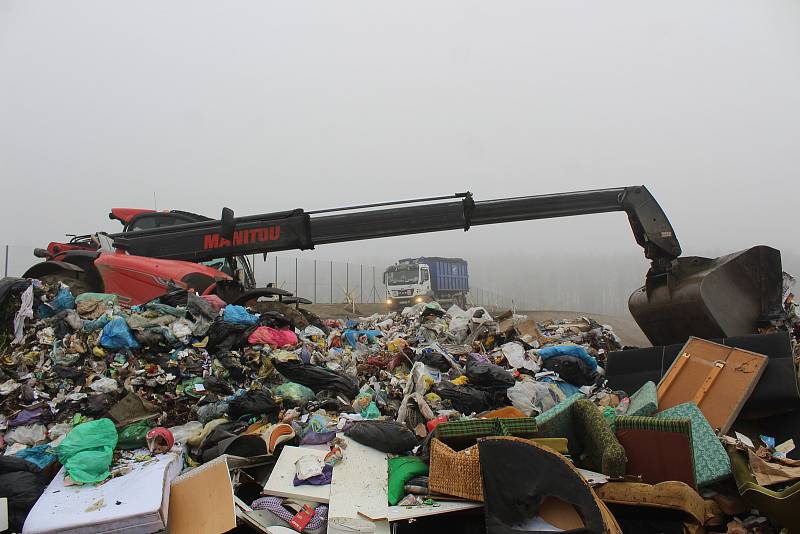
<point>456,473</point>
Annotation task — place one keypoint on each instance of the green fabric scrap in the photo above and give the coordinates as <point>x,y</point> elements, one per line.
<point>401,470</point>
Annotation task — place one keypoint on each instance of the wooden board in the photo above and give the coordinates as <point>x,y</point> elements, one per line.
<point>399,513</point>
<point>717,378</point>
<point>359,491</point>
<point>201,501</point>
<point>280,482</point>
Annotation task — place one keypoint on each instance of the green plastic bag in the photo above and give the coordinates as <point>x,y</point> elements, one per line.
<point>87,451</point>
<point>371,411</point>
<point>294,394</point>
<point>401,470</point>
<point>133,436</point>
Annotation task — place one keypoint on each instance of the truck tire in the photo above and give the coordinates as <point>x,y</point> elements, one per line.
<point>76,286</point>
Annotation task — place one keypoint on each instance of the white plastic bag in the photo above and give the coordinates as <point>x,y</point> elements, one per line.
<point>519,359</point>
<point>104,385</point>
<point>183,433</point>
<point>533,398</point>
<point>28,435</point>
<point>308,466</point>
<point>182,329</point>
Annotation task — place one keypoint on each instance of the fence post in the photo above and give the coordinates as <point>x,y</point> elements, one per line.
<point>374,289</point>
<point>331,281</point>
<point>6,270</point>
<point>347,281</point>
<point>361,284</point>
<point>315,281</point>
<point>276,271</point>
<point>295,278</point>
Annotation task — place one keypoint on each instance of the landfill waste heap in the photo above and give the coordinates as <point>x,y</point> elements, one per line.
<point>464,409</point>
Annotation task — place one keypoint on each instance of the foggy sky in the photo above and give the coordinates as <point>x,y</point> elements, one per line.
<point>264,106</point>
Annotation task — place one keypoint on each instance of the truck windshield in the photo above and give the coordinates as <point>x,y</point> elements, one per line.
<point>407,276</point>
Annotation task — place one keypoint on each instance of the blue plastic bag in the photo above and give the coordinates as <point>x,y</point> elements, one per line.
<point>575,351</point>
<point>238,315</point>
<point>351,336</point>
<point>62,301</point>
<point>117,335</point>
<point>37,455</point>
<point>100,322</point>
<point>565,387</point>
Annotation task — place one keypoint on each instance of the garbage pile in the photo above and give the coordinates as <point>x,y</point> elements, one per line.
<point>291,409</point>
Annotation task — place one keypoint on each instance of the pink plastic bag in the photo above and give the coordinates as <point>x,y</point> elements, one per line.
<point>264,335</point>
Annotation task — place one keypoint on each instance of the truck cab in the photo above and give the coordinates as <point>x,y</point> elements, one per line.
<point>407,284</point>
<point>414,280</point>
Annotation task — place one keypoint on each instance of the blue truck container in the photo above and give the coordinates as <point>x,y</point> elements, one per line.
<point>407,281</point>
<point>448,275</point>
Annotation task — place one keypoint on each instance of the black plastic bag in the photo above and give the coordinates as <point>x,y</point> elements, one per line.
<point>95,405</point>
<point>317,378</point>
<point>488,375</point>
<point>571,369</point>
<point>232,362</point>
<point>434,359</point>
<point>22,483</point>
<point>151,337</point>
<point>10,291</point>
<point>69,373</point>
<point>175,296</point>
<point>465,399</point>
<point>215,385</point>
<point>254,402</point>
<point>224,336</point>
<point>275,319</point>
<point>385,436</point>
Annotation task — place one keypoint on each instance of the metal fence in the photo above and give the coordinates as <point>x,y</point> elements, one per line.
<point>320,281</point>
<point>328,281</point>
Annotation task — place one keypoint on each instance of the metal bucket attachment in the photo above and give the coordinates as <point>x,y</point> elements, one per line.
<point>732,295</point>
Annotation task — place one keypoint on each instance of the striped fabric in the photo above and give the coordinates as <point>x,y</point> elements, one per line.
<point>629,422</point>
<point>468,431</point>
<point>520,427</point>
<point>275,505</point>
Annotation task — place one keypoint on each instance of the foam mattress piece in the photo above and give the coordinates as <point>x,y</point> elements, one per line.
<point>142,494</point>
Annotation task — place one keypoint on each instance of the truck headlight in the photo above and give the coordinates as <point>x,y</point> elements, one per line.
<point>388,301</point>
<point>418,299</point>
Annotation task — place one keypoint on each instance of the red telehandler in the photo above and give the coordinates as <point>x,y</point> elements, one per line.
<point>682,296</point>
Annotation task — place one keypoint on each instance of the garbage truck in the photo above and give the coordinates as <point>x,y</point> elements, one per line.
<point>682,296</point>
<point>414,280</point>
